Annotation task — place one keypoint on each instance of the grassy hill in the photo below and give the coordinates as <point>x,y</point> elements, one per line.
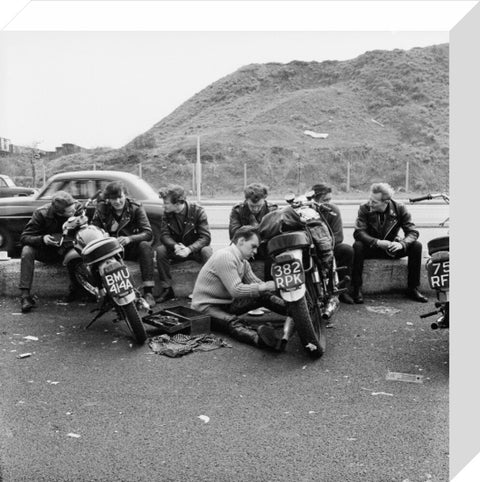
<point>379,110</point>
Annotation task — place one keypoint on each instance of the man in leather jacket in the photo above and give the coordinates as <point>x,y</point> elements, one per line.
<point>124,218</point>
<point>250,212</point>
<point>184,235</point>
<point>376,236</point>
<point>40,242</point>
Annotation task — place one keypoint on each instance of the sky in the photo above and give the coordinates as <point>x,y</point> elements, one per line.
<point>101,89</point>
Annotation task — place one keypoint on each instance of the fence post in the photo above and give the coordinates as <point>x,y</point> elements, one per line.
<point>199,171</point>
<point>348,176</point>
<point>193,178</point>
<point>244,175</point>
<point>139,169</point>
<point>94,167</point>
<point>407,172</point>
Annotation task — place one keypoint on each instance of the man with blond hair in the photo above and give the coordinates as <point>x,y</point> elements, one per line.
<point>376,236</point>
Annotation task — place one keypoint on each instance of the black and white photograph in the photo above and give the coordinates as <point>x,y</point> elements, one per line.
<point>224,253</point>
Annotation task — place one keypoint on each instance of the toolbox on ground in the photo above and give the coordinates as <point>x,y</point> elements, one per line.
<point>179,319</point>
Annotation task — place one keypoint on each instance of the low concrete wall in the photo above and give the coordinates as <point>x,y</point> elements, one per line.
<point>380,276</point>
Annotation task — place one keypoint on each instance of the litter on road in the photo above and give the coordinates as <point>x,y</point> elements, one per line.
<point>30,337</point>
<point>383,310</point>
<point>204,418</point>
<point>404,377</point>
<point>73,435</point>
<point>24,355</point>
<point>383,393</point>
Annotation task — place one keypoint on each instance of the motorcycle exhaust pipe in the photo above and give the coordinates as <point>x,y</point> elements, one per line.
<point>288,329</point>
<point>439,324</point>
<point>330,308</point>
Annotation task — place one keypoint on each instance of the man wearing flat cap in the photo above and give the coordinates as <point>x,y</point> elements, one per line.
<point>40,242</point>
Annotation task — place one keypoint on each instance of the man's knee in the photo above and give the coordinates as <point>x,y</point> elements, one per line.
<point>145,248</point>
<point>415,247</point>
<point>206,252</point>
<point>358,247</point>
<point>28,252</point>
<point>162,252</point>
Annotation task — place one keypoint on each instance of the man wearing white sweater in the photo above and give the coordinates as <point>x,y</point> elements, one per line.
<point>227,287</point>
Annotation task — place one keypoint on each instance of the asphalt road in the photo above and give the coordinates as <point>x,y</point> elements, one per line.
<point>272,417</point>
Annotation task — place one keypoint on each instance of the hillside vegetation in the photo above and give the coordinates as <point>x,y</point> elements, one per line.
<point>379,110</point>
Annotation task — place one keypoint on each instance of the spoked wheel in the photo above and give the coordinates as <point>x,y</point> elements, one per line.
<point>85,278</point>
<point>309,323</point>
<point>134,322</point>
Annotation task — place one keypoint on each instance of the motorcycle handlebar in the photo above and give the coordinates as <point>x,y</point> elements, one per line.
<point>421,198</point>
<point>82,206</point>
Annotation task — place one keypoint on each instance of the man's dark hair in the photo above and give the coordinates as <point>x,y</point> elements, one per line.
<point>61,200</point>
<point>114,189</point>
<point>255,192</point>
<point>321,189</point>
<point>246,232</point>
<point>174,192</point>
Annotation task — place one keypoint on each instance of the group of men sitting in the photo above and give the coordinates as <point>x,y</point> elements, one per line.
<point>226,286</point>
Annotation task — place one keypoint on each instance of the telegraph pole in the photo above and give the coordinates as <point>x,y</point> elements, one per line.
<point>199,171</point>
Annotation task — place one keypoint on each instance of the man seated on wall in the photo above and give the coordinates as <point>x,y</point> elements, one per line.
<point>342,252</point>
<point>125,219</point>
<point>40,239</point>
<point>376,236</point>
<point>184,235</point>
<point>226,287</point>
<point>250,212</point>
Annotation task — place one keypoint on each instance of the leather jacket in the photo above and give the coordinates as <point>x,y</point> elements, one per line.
<point>43,221</point>
<point>242,216</point>
<point>133,223</point>
<point>368,228</point>
<point>195,234</point>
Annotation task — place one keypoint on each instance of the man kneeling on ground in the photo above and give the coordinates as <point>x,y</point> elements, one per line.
<point>226,287</point>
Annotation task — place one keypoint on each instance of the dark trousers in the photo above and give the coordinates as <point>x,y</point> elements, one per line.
<point>362,251</point>
<point>343,254</point>
<point>45,254</point>
<point>166,257</point>
<point>143,253</point>
<point>223,315</point>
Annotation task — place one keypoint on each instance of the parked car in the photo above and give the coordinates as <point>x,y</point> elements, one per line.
<point>9,189</point>
<point>16,212</point>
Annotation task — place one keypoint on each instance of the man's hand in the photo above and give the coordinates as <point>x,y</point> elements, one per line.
<point>383,244</point>
<point>394,247</point>
<point>182,251</point>
<point>123,240</point>
<point>268,286</point>
<point>49,240</point>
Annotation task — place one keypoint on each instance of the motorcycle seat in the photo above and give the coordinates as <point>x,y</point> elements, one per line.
<point>100,249</point>
<point>293,240</point>
<point>438,244</point>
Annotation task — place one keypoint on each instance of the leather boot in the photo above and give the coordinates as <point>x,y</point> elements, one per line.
<point>242,333</point>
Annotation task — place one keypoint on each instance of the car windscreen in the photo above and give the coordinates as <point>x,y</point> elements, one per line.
<point>78,188</point>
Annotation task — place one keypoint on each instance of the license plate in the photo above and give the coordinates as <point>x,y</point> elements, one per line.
<point>439,274</point>
<point>288,275</point>
<point>117,282</point>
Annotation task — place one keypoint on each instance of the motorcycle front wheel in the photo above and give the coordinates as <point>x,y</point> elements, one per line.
<point>310,326</point>
<point>134,322</point>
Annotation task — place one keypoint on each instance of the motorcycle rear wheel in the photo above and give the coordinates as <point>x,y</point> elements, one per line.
<point>310,326</point>
<point>134,322</point>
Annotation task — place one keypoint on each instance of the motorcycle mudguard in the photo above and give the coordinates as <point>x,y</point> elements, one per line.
<point>299,293</point>
<point>104,268</point>
<point>71,255</point>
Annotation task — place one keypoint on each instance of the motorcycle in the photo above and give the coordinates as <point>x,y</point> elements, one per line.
<point>438,269</point>
<point>303,269</point>
<point>101,271</point>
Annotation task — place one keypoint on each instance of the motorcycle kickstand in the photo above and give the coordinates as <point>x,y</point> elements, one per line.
<point>101,311</point>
